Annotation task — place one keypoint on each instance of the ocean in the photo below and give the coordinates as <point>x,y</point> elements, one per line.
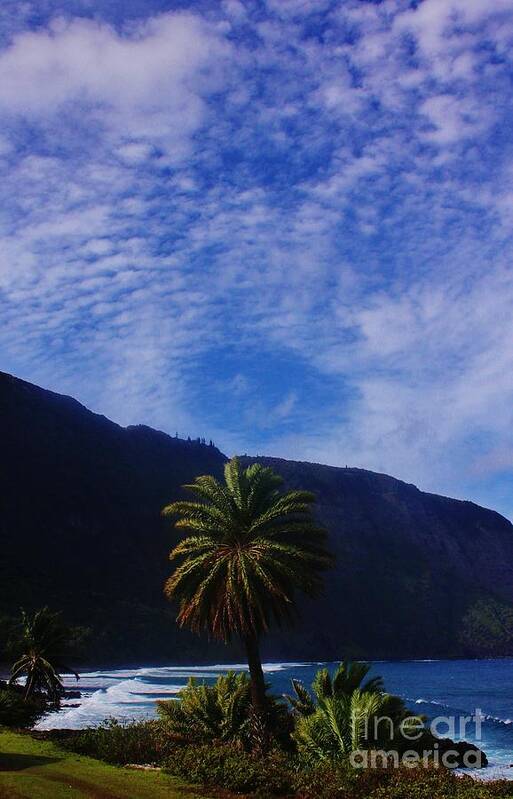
<point>435,688</point>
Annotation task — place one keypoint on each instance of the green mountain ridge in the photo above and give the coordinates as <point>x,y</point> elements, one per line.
<point>417,574</point>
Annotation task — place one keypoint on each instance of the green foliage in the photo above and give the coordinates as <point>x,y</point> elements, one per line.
<point>230,767</point>
<point>222,713</point>
<point>233,769</point>
<point>204,713</point>
<point>15,711</point>
<point>43,642</point>
<point>249,548</point>
<point>344,714</point>
<point>300,701</point>
<point>487,627</point>
<point>143,742</point>
<point>60,774</point>
<point>278,774</point>
<point>338,726</point>
<point>348,677</point>
<point>329,781</point>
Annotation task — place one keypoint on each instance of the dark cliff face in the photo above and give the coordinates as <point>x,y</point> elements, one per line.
<point>80,520</point>
<point>417,575</point>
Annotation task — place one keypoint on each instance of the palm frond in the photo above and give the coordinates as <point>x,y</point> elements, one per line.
<point>251,548</point>
<point>301,702</point>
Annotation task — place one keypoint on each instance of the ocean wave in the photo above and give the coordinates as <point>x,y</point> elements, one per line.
<point>435,702</point>
<point>497,720</point>
<point>494,771</point>
<point>484,716</point>
<point>131,698</point>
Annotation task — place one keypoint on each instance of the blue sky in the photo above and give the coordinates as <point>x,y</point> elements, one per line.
<point>285,225</point>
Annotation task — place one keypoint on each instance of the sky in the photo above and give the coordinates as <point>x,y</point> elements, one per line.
<point>285,225</point>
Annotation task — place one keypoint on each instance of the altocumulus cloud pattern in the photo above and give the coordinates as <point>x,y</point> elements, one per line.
<point>285,225</point>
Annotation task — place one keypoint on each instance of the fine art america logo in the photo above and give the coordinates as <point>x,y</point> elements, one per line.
<point>413,729</point>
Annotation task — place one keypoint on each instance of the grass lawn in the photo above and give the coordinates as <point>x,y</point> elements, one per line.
<point>31,769</point>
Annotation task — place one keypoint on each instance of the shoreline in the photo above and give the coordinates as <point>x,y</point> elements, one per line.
<point>129,693</point>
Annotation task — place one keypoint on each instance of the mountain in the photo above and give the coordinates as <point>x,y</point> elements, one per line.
<point>417,575</point>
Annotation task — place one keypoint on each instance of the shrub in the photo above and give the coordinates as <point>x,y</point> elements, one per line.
<point>15,711</point>
<point>223,713</point>
<point>143,742</point>
<point>436,783</point>
<point>343,714</point>
<point>330,781</point>
<point>210,712</point>
<point>227,767</point>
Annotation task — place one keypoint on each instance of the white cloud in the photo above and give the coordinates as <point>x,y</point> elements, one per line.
<point>135,152</point>
<point>187,202</point>
<point>454,119</point>
<point>146,82</point>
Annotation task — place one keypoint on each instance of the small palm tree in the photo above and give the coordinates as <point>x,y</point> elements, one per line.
<point>222,713</point>
<point>43,642</point>
<point>348,712</point>
<point>206,713</point>
<point>250,548</point>
<point>339,725</point>
<point>348,677</point>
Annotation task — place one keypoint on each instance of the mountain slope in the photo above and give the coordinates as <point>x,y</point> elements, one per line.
<point>80,497</point>
<point>417,574</point>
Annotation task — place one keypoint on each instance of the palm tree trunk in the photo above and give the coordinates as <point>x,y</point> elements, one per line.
<point>256,673</point>
<point>29,687</point>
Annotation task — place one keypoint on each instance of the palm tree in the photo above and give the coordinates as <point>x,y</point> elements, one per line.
<point>250,548</point>
<point>347,678</point>
<point>222,712</point>
<point>339,725</point>
<point>207,713</point>
<point>337,718</point>
<point>43,642</point>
